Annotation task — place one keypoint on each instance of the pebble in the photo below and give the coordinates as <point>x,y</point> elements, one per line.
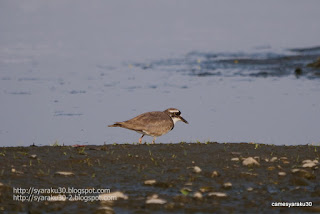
<point>64,173</point>
<point>227,185</point>
<point>282,174</point>
<point>117,195</point>
<point>249,174</point>
<point>154,199</point>
<point>34,156</point>
<point>150,182</point>
<point>197,195</point>
<point>309,163</point>
<point>234,159</point>
<point>206,189</point>
<point>249,189</point>
<point>303,173</point>
<point>105,209</point>
<point>273,159</point>
<point>196,169</point>
<point>218,194</point>
<point>187,189</point>
<point>250,162</point>
<point>295,170</point>
<point>215,174</point>
<point>16,171</point>
<point>270,168</point>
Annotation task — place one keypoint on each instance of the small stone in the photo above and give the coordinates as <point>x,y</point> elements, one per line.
<point>64,173</point>
<point>270,168</point>
<point>285,162</point>
<point>150,182</point>
<point>187,189</point>
<point>307,161</point>
<point>282,174</point>
<point>105,209</point>
<point>298,72</point>
<point>295,170</point>
<point>309,164</point>
<point>249,174</point>
<point>188,184</point>
<point>250,162</point>
<point>13,170</point>
<point>206,189</point>
<point>215,174</point>
<point>315,64</point>
<point>283,158</point>
<point>273,159</point>
<point>218,194</point>
<point>197,195</point>
<point>249,189</point>
<point>196,169</point>
<point>34,156</point>
<point>154,199</point>
<point>112,196</point>
<point>227,185</point>
<point>234,159</point>
<point>266,160</point>
<point>303,173</point>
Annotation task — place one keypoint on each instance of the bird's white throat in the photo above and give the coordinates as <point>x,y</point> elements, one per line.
<point>175,119</point>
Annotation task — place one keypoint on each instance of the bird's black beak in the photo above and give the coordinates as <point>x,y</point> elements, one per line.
<point>183,120</point>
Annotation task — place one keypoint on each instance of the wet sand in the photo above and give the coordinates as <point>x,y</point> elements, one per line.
<point>174,178</point>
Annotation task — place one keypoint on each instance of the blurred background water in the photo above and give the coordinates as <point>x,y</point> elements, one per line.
<point>236,70</point>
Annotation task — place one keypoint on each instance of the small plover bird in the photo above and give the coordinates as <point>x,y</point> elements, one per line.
<point>155,123</point>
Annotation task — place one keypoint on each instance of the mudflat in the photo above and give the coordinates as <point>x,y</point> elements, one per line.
<point>176,178</point>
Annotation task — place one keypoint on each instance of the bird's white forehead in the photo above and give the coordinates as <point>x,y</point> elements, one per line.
<point>174,110</point>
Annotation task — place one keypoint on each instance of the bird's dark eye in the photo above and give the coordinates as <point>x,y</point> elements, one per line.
<point>177,113</point>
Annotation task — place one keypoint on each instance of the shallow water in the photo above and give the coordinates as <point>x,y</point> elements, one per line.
<point>65,76</point>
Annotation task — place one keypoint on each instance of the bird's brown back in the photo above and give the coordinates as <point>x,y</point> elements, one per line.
<point>154,123</point>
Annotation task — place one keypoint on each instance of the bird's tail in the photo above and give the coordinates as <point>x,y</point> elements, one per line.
<point>115,125</point>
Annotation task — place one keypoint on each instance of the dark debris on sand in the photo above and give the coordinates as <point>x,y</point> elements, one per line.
<point>174,178</point>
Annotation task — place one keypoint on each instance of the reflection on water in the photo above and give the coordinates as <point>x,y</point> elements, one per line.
<point>258,64</point>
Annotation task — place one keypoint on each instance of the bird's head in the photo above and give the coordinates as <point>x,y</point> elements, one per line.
<point>175,115</point>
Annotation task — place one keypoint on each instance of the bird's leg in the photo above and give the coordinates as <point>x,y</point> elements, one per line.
<point>154,140</point>
<point>140,139</point>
